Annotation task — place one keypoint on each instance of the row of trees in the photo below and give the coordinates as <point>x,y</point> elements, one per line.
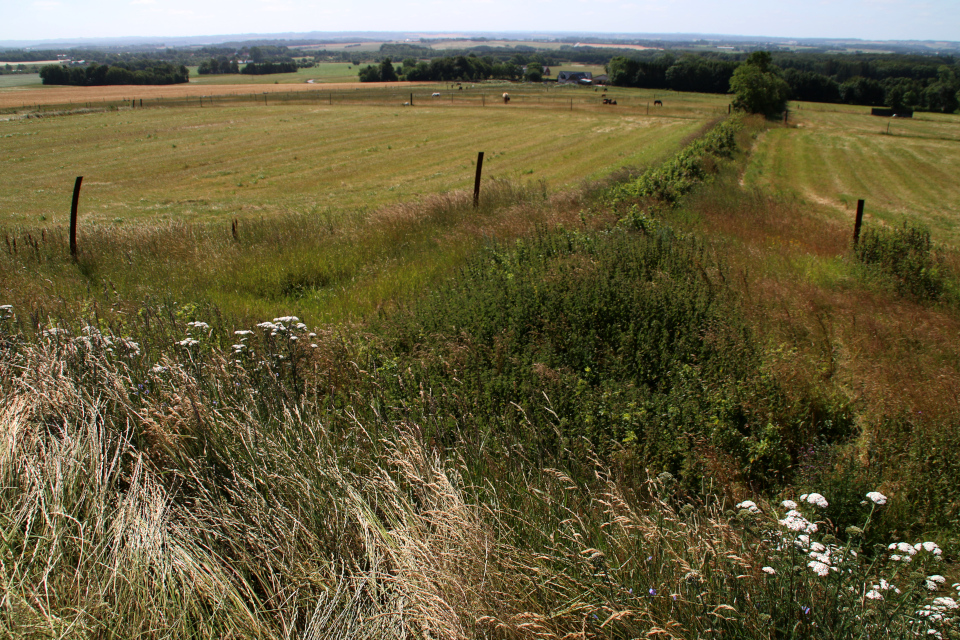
<point>920,90</point>
<point>101,74</point>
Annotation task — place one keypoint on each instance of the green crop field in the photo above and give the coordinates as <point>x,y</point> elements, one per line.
<point>226,162</point>
<point>903,168</point>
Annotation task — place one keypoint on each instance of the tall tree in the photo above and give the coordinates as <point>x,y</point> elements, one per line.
<point>758,86</point>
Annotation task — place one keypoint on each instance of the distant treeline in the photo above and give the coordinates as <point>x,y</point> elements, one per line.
<point>264,68</point>
<point>465,68</point>
<point>101,74</point>
<point>921,83</point>
<point>218,65</point>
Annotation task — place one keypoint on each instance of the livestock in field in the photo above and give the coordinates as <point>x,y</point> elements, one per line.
<point>506,98</point>
<point>658,103</point>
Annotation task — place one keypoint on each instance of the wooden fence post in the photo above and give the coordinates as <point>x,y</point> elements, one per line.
<point>476,182</point>
<point>73,217</point>
<point>858,223</point>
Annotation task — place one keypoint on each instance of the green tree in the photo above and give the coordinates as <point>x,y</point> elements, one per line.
<point>534,73</point>
<point>369,73</point>
<point>387,72</point>
<point>758,87</point>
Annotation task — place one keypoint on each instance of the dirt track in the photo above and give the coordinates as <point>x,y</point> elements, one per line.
<point>13,98</point>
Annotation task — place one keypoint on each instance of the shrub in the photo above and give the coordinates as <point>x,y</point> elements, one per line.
<point>907,255</point>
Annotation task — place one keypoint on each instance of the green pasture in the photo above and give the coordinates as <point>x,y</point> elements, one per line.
<point>832,155</point>
<point>323,72</point>
<point>224,162</point>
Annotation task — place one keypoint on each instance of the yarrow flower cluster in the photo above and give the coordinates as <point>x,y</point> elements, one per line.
<point>794,521</point>
<point>877,498</point>
<point>815,499</point>
<point>749,505</point>
<point>6,311</point>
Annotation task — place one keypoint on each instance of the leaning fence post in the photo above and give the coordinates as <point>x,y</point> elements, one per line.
<point>476,182</point>
<point>858,223</point>
<point>73,217</point>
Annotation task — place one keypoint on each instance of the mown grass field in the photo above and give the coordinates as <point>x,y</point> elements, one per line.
<point>224,162</point>
<point>905,169</point>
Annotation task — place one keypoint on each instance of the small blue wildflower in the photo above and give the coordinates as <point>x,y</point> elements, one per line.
<point>653,592</point>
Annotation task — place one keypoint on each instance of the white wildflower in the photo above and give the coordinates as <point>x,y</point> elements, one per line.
<point>907,548</point>
<point>816,546</point>
<point>300,326</point>
<point>313,346</point>
<point>188,342</point>
<point>294,338</point>
<point>819,568</point>
<point>749,505</point>
<point>239,347</point>
<point>932,547</point>
<point>937,578</point>
<point>877,497</point>
<point>873,594</point>
<point>815,499</point>
<point>243,332</point>
<point>789,504</point>
<point>198,325</point>
<point>6,307</point>
<point>769,570</point>
<point>287,319</point>
<point>798,523</point>
<point>158,369</point>
<point>311,335</point>
<point>945,603</point>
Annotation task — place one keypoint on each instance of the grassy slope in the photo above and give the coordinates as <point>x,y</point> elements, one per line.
<point>237,508</point>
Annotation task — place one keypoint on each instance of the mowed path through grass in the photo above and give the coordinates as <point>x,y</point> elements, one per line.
<point>221,163</point>
<point>832,158</point>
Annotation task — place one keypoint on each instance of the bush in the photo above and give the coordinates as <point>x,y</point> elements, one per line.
<point>907,255</point>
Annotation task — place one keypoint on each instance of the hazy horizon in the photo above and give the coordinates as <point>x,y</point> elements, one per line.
<point>872,20</point>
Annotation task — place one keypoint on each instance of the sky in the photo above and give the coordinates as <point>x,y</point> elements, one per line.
<point>865,19</point>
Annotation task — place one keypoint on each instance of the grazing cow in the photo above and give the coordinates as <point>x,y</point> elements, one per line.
<point>435,95</point>
<point>406,104</point>
<point>506,98</point>
<point>658,103</point>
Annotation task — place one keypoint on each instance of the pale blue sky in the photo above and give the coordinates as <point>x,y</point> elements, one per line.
<point>866,19</point>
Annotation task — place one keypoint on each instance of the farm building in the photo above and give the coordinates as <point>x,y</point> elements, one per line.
<point>574,77</point>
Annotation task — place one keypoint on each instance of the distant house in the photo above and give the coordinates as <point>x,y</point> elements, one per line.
<point>574,77</point>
